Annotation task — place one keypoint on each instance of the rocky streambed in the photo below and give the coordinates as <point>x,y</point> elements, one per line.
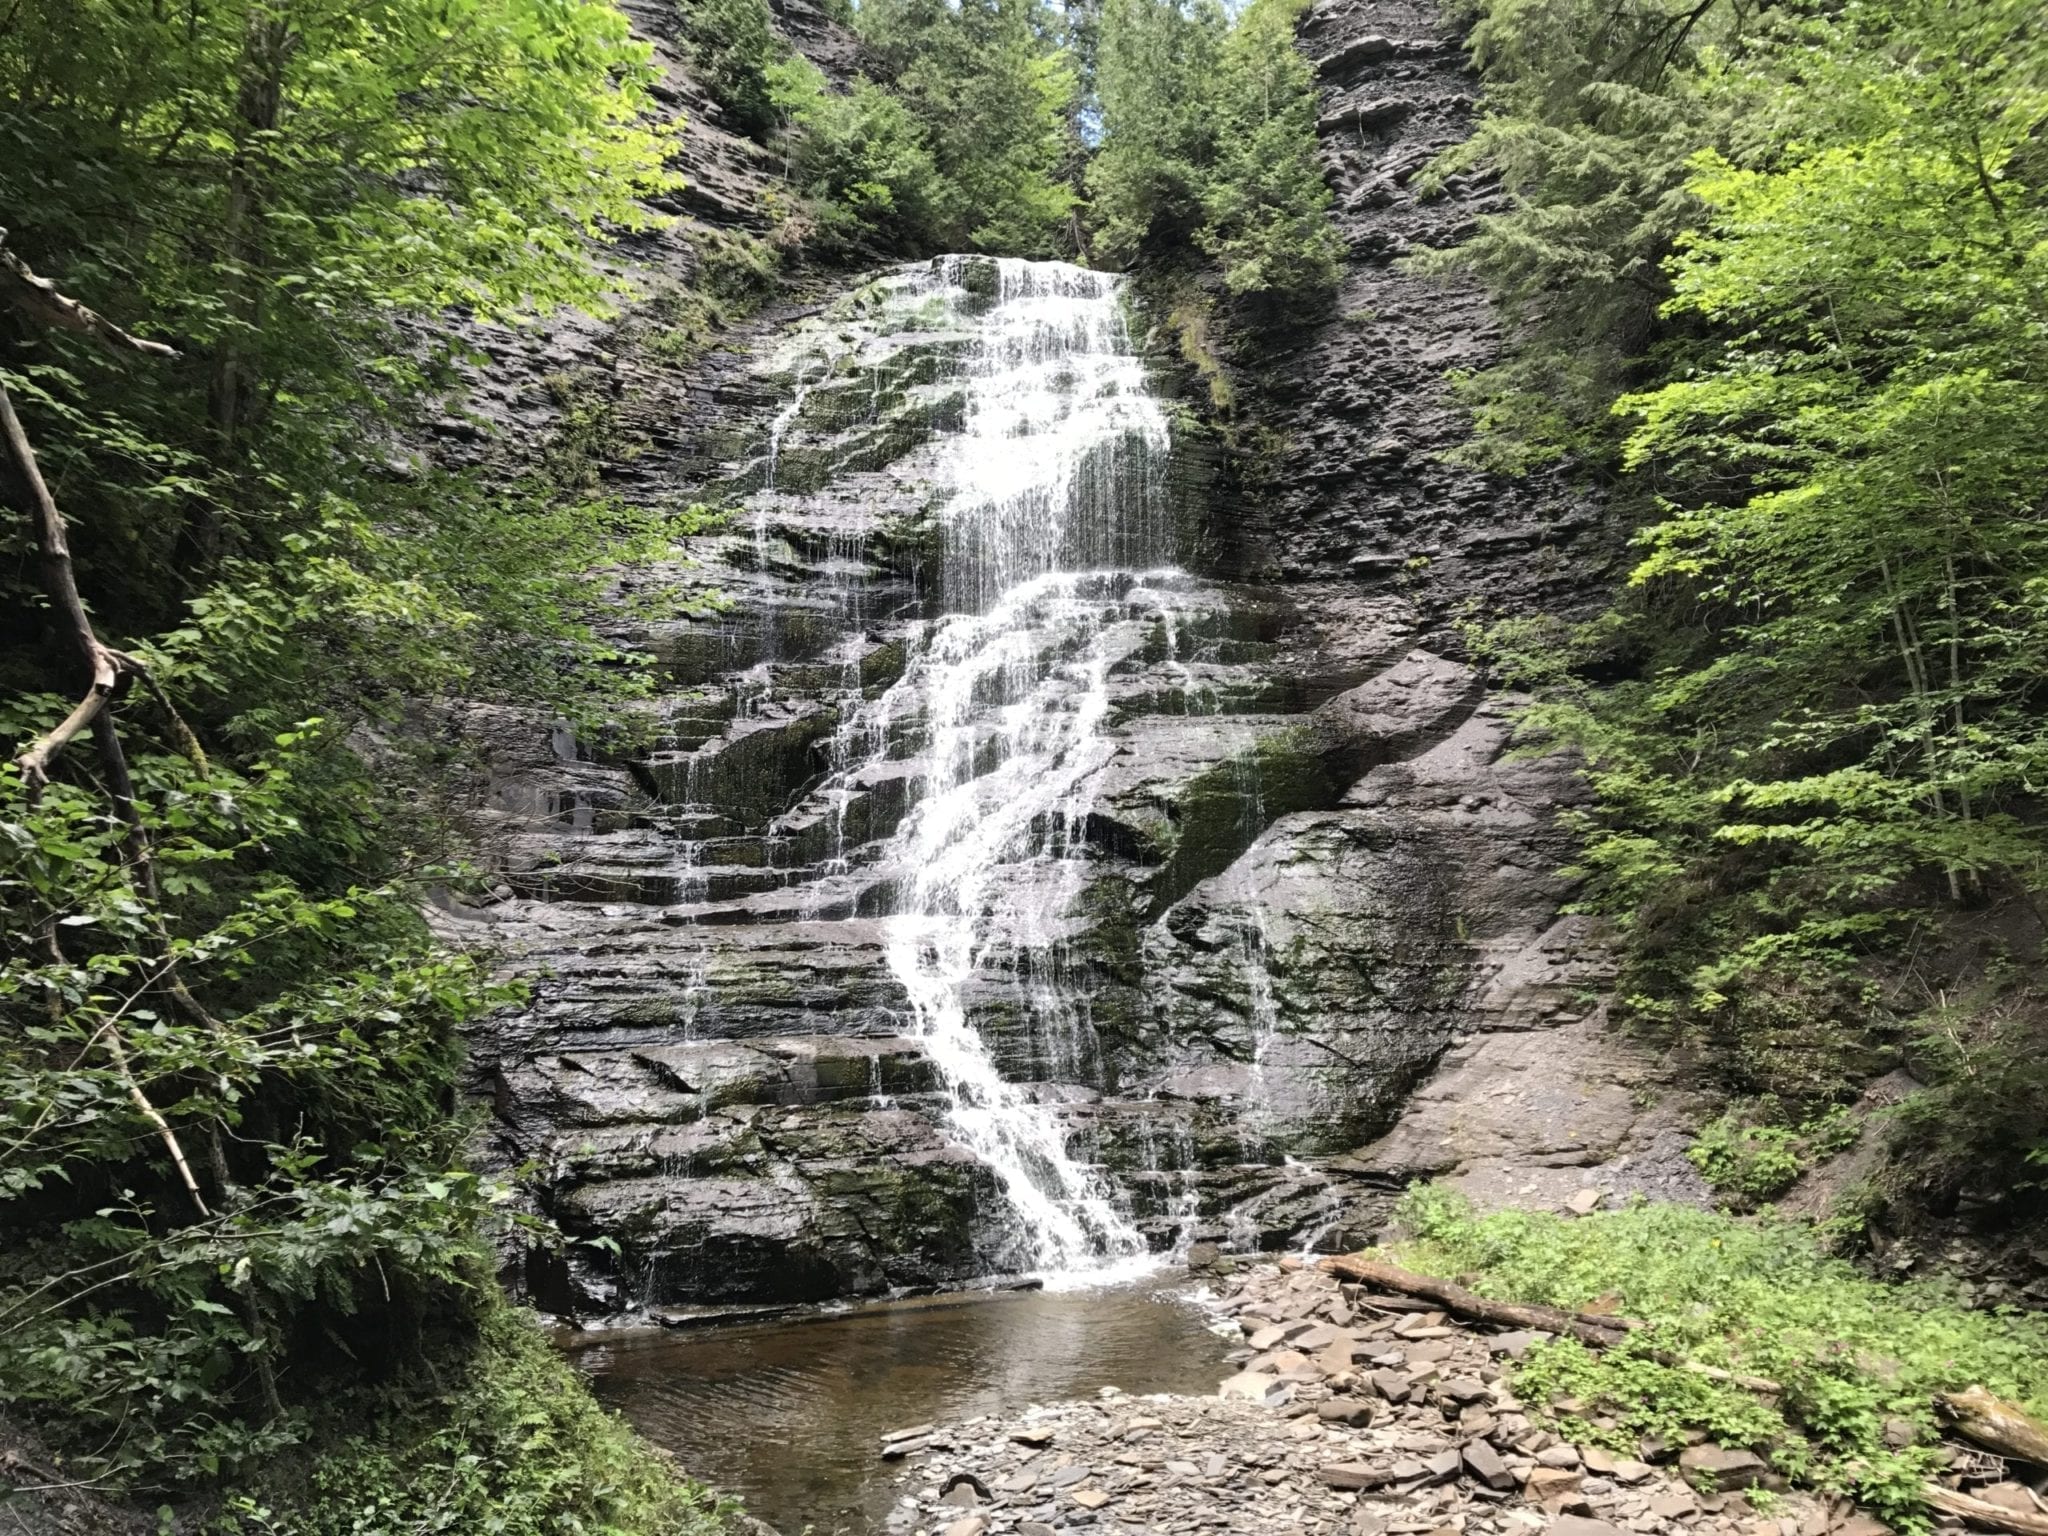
<point>1346,1412</point>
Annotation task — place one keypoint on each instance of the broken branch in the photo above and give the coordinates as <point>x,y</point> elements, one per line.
<point>1995,1424</point>
<point>38,298</point>
<point>1594,1329</point>
<point>105,666</point>
<point>1758,1384</point>
<point>169,1137</point>
<point>1984,1512</point>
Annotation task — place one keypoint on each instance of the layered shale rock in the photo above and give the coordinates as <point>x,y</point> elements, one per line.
<point>1265,903</point>
<point>1368,485</point>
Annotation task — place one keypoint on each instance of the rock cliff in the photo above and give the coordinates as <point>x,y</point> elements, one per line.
<point>1315,924</point>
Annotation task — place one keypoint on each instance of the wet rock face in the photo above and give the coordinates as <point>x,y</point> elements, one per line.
<point>1294,869</point>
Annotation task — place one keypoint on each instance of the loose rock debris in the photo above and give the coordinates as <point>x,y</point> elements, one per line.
<point>1349,1414</point>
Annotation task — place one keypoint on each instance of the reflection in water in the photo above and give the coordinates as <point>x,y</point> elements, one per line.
<point>790,1416</point>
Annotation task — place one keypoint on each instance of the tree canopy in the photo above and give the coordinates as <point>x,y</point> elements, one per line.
<point>1826,357</point>
<point>234,1166</point>
<point>1209,138</point>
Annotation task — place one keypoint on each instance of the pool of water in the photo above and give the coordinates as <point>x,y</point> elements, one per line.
<point>789,1415</point>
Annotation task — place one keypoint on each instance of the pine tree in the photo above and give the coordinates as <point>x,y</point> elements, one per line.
<point>1156,66</point>
<point>991,87</point>
<point>1593,114</point>
<point>1267,203</point>
<point>732,45</point>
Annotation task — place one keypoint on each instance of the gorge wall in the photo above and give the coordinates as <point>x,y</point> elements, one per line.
<point>1044,853</point>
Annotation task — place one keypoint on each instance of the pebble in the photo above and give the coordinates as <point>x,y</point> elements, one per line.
<point>1351,1414</point>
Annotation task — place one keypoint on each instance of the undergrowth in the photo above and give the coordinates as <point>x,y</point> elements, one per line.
<point>503,1440</point>
<point>1749,1157</point>
<point>1754,1296</point>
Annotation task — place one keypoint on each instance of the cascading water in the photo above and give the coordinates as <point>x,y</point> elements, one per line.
<point>1055,568</point>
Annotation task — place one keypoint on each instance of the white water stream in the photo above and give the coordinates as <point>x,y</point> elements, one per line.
<point>1057,550</point>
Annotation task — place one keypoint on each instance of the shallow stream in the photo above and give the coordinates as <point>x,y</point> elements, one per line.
<point>790,1415</point>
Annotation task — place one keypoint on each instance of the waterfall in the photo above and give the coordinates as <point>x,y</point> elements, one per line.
<point>1056,568</point>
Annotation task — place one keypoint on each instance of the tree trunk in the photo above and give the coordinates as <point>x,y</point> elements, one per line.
<point>1984,1512</point>
<point>1600,1333</point>
<point>1995,1424</point>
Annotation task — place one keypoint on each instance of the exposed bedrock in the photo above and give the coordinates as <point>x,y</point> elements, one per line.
<point>1368,486</point>
<point>1275,949</point>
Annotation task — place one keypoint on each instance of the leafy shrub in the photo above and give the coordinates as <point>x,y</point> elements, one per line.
<point>733,44</point>
<point>1751,1163</point>
<point>506,1440</point>
<point>1982,1124</point>
<point>1754,1296</point>
<point>226,1099</point>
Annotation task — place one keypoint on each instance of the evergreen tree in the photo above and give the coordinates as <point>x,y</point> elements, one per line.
<point>1266,206</point>
<point>1593,113</point>
<point>991,87</point>
<point>862,163</point>
<point>733,43</point>
<point>1209,138</point>
<point>1156,69</point>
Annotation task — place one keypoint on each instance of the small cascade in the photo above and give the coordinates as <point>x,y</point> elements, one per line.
<point>810,373</point>
<point>1003,838</point>
<point>1265,1009</point>
<point>1055,536</point>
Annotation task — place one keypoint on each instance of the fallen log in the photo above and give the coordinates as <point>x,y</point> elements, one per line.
<point>1983,1512</point>
<point>1995,1424</point>
<point>1761,1385</point>
<point>1597,1329</point>
<point>1600,1333</point>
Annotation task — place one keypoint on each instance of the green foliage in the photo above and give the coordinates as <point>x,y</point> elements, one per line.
<point>1192,319</point>
<point>962,143</point>
<point>1751,1296</point>
<point>1749,1160</point>
<point>293,183</point>
<point>860,160</point>
<point>1592,115</point>
<point>991,89</point>
<point>1267,205</point>
<point>1208,135</point>
<point>1156,78</point>
<point>230,1145</point>
<point>226,1119</point>
<point>1981,1126</point>
<point>733,44</point>
<point>1825,733</point>
<point>503,1439</point>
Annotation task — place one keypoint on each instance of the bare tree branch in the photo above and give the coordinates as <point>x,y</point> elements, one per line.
<point>105,666</point>
<point>38,298</point>
<point>119,1056</point>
